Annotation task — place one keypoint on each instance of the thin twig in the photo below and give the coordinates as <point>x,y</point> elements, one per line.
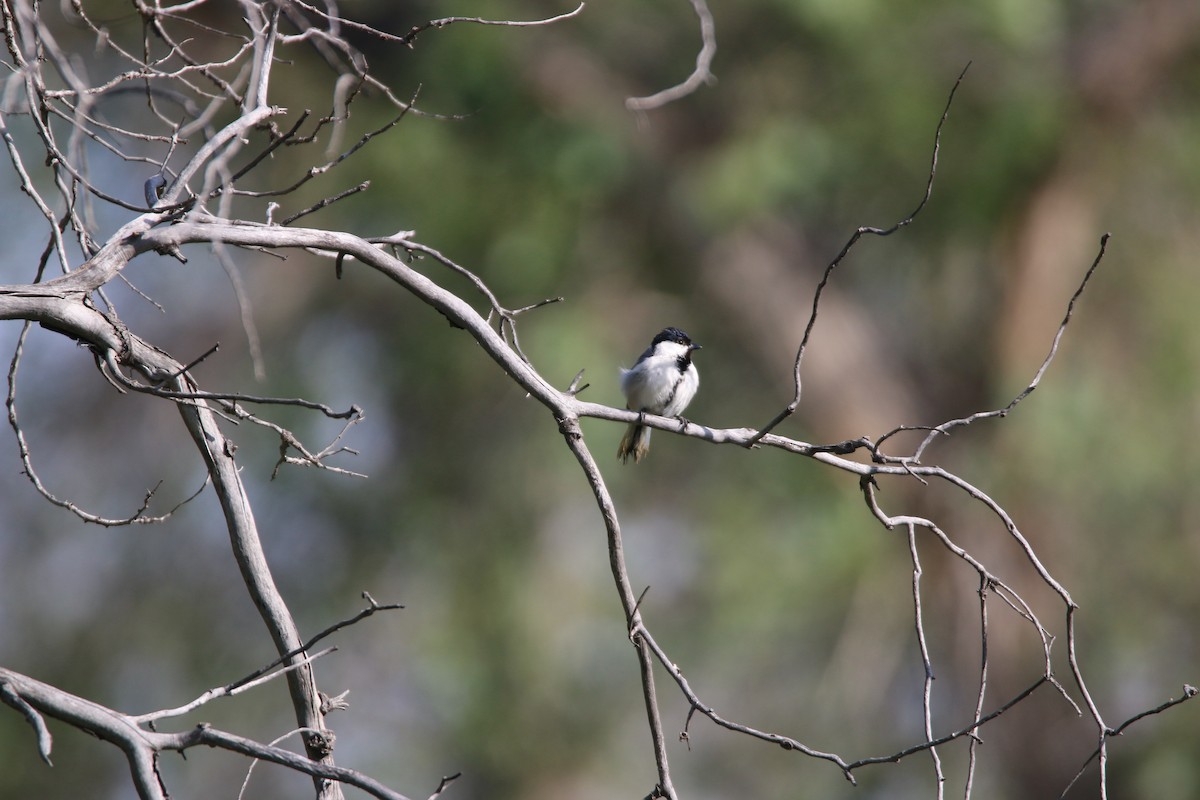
<point>371,609</point>
<point>945,428</point>
<point>139,517</point>
<point>230,690</point>
<point>327,201</point>
<point>845,251</point>
<point>444,21</point>
<point>232,397</point>
<point>923,645</point>
<point>973,744</point>
<point>443,784</point>
<point>1188,693</point>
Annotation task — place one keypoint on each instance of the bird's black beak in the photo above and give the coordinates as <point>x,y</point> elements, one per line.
<point>694,346</point>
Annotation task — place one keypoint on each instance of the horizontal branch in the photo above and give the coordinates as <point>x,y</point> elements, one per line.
<point>444,21</point>
<point>42,303</point>
<point>94,328</point>
<point>211,737</point>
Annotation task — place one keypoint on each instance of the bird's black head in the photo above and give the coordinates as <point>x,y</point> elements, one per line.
<point>675,335</point>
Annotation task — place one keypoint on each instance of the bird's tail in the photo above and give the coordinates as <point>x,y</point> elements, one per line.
<point>635,442</point>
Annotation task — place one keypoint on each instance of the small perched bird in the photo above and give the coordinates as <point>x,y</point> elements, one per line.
<point>663,381</point>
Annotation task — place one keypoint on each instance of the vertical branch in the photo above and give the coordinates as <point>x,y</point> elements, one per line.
<point>1073,660</point>
<point>973,746</point>
<point>927,693</point>
<point>633,617</point>
<point>31,191</point>
<point>265,34</point>
<point>217,452</point>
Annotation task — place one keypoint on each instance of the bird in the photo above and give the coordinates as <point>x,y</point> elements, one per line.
<point>662,381</point>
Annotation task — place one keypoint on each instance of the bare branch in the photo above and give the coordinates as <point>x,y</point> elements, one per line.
<point>142,746</point>
<point>786,742</point>
<point>159,389</point>
<point>211,737</point>
<point>328,201</point>
<point>946,427</point>
<point>957,734</point>
<point>229,133</point>
<point>637,632</point>
<point>1188,693</point>
<point>444,21</point>
<point>845,251</point>
<point>139,517</point>
<point>230,690</point>
<point>700,76</point>
<point>371,609</point>
<point>193,196</point>
<point>927,663</point>
<point>311,172</point>
<point>443,784</point>
<point>269,671</point>
<point>217,453</point>
<point>45,742</point>
<point>28,188</point>
<point>973,743</point>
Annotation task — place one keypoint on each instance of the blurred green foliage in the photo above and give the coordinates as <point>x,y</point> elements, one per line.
<point>787,606</point>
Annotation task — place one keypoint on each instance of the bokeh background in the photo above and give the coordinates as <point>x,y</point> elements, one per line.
<point>787,606</point>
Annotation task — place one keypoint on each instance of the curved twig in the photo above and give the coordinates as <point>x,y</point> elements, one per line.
<point>791,407</point>
<point>701,75</point>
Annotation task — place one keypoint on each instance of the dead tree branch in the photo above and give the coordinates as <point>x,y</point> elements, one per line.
<point>142,747</point>
<point>701,75</point>
<point>862,231</point>
<point>210,123</point>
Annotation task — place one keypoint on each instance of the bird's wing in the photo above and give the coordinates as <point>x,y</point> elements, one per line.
<point>648,386</point>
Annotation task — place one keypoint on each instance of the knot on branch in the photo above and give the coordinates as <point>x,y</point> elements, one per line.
<point>320,743</point>
<point>569,427</point>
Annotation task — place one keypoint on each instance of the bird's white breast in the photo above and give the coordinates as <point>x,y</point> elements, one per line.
<point>656,385</point>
